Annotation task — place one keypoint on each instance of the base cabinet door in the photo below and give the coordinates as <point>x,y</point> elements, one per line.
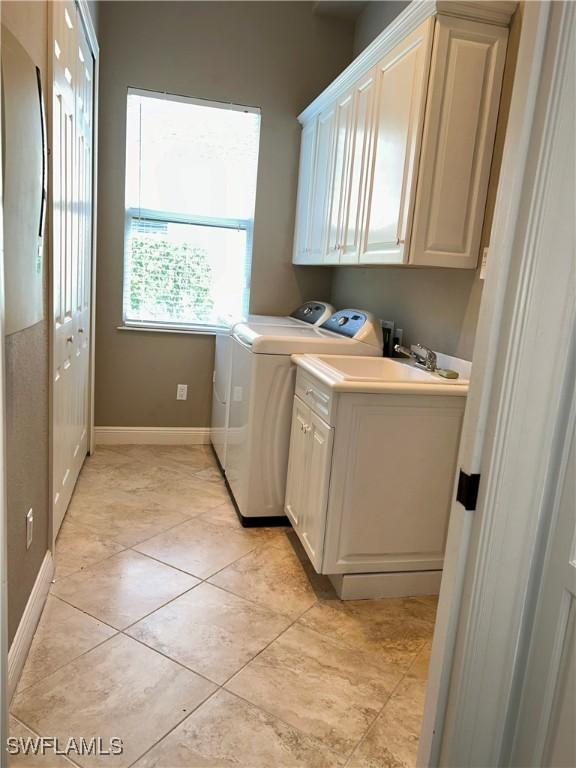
<point>319,462</point>
<point>297,465</point>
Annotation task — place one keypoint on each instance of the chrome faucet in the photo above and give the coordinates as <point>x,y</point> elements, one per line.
<point>423,356</point>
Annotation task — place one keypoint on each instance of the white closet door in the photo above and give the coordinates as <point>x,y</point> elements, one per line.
<point>72,128</point>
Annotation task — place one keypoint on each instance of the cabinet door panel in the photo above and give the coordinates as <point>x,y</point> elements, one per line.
<point>338,178</point>
<point>320,183</point>
<point>319,461</point>
<point>358,171</point>
<point>305,182</point>
<point>461,115</point>
<point>401,82</point>
<point>297,464</point>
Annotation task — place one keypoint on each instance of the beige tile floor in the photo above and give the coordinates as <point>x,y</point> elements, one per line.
<point>202,643</point>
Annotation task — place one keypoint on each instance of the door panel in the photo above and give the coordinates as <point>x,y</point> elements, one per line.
<point>397,130</point>
<point>72,131</point>
<point>461,115</point>
<point>305,182</point>
<point>338,178</point>
<point>358,171</point>
<point>319,461</point>
<point>297,464</point>
<point>320,182</point>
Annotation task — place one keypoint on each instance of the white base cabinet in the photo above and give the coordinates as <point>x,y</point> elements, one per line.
<point>309,479</point>
<point>370,491</point>
<point>396,153</point>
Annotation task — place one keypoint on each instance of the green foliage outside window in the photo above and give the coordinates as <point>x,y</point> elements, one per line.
<point>169,281</point>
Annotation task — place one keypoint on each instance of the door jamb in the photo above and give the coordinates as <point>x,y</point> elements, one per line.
<point>475,445</point>
<point>95,49</point>
<point>3,504</point>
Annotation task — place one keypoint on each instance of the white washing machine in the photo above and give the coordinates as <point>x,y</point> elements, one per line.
<point>310,313</point>
<point>262,390</point>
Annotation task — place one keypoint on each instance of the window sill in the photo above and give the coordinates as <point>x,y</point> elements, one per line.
<point>211,330</point>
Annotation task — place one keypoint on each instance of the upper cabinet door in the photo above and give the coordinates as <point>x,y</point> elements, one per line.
<point>338,184</point>
<point>302,226</point>
<point>320,182</point>
<point>357,170</point>
<point>461,114</point>
<point>401,84</point>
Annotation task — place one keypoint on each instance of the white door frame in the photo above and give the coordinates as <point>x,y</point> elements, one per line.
<point>84,12</point>
<point>3,506</point>
<point>489,551</point>
<point>94,47</point>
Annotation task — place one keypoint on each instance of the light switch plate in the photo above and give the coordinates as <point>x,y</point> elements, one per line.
<point>182,392</point>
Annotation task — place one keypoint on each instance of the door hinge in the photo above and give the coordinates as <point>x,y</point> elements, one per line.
<point>467,493</point>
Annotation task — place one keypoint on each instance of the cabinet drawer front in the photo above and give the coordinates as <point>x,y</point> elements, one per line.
<point>315,395</point>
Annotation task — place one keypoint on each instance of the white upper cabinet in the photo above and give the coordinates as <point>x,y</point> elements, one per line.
<point>355,195</point>
<point>460,126</point>
<point>338,177</point>
<point>319,181</point>
<point>307,149</point>
<point>401,79</point>
<point>402,143</point>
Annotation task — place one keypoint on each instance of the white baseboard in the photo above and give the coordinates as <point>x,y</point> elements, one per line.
<point>370,586</point>
<point>152,435</point>
<point>25,633</point>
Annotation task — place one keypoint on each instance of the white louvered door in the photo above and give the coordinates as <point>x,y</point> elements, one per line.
<point>72,141</point>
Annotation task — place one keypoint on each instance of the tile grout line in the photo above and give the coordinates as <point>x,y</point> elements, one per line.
<point>297,620</point>
<point>22,722</point>
<point>132,548</point>
<point>388,700</point>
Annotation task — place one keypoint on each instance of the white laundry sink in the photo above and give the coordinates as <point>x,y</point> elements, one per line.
<point>377,374</point>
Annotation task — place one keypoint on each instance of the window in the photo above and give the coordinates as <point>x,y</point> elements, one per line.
<point>190,192</point>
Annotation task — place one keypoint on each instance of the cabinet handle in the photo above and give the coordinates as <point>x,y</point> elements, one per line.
<point>308,391</point>
<point>69,339</point>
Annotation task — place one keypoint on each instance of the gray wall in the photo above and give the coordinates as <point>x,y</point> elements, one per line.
<point>94,9</point>
<point>275,55</point>
<point>436,307</point>
<point>374,18</point>
<point>26,390</point>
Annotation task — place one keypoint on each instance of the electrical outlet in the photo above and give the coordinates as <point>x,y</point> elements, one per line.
<point>29,527</point>
<point>182,392</point>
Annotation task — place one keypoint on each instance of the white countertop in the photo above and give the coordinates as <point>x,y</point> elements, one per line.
<point>371,375</point>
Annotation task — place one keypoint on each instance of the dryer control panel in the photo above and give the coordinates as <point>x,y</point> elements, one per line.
<point>313,312</point>
<point>355,324</point>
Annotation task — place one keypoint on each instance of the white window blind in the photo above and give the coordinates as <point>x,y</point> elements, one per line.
<point>191,169</point>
